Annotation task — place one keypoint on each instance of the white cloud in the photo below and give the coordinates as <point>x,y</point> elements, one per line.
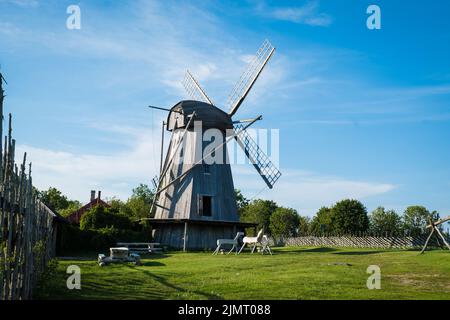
<point>365,105</point>
<point>308,14</point>
<point>214,57</point>
<point>115,173</point>
<point>9,29</point>
<point>202,45</point>
<point>306,191</point>
<point>22,3</point>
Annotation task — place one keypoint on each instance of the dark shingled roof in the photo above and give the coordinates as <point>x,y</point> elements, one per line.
<point>211,116</point>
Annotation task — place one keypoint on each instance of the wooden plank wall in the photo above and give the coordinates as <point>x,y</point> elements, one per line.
<point>26,225</point>
<point>199,237</point>
<point>180,200</point>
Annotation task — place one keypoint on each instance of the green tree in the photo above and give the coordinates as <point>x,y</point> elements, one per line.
<point>303,225</point>
<point>115,204</point>
<point>139,204</point>
<point>382,222</point>
<point>322,222</point>
<point>259,211</point>
<point>284,223</point>
<point>73,206</point>
<point>416,219</point>
<point>121,207</point>
<point>100,217</point>
<point>349,216</point>
<point>435,216</point>
<point>142,191</point>
<point>56,201</point>
<point>242,201</point>
<point>138,208</point>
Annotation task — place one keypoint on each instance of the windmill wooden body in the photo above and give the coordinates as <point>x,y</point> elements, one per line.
<point>195,202</point>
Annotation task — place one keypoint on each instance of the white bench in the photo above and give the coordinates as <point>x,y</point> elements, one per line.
<point>119,255</point>
<point>142,247</point>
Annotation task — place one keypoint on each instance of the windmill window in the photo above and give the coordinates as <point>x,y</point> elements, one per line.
<point>206,169</point>
<point>204,206</point>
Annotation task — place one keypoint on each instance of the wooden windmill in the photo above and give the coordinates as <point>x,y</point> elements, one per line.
<point>195,202</point>
<point>434,227</point>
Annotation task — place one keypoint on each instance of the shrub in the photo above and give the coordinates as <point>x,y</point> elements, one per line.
<point>46,279</point>
<point>74,240</point>
<point>100,217</point>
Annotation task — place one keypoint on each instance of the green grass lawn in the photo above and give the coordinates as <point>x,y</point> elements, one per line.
<point>291,273</point>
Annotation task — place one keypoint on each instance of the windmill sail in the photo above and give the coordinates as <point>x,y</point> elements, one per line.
<point>257,157</point>
<point>248,78</point>
<point>194,89</point>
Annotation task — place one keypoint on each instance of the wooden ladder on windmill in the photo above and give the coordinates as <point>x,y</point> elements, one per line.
<point>434,226</point>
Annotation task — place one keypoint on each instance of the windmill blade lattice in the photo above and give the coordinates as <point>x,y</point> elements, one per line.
<point>194,89</point>
<point>257,157</point>
<point>248,78</point>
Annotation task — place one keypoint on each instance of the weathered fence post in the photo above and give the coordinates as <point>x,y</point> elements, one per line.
<point>24,222</point>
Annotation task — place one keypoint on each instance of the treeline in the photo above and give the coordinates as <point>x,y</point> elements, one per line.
<point>135,207</point>
<point>101,227</point>
<point>346,217</point>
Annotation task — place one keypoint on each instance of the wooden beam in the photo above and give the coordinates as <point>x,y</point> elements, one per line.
<point>201,160</point>
<point>161,178</point>
<point>165,109</point>
<point>162,148</point>
<point>185,236</point>
<point>441,221</point>
<point>443,238</point>
<point>429,236</point>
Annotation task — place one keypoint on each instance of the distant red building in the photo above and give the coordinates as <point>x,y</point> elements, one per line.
<point>75,216</point>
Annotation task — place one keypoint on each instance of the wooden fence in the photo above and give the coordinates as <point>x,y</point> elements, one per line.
<point>27,233</point>
<point>382,242</point>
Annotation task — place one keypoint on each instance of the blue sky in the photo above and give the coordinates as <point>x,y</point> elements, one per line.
<point>362,113</point>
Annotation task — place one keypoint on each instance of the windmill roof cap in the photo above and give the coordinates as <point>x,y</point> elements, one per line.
<point>211,116</point>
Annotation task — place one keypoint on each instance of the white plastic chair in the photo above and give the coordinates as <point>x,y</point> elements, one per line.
<point>265,245</point>
<point>252,241</point>
<point>234,242</point>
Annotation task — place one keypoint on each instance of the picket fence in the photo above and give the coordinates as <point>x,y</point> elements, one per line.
<point>382,242</point>
<point>27,226</point>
